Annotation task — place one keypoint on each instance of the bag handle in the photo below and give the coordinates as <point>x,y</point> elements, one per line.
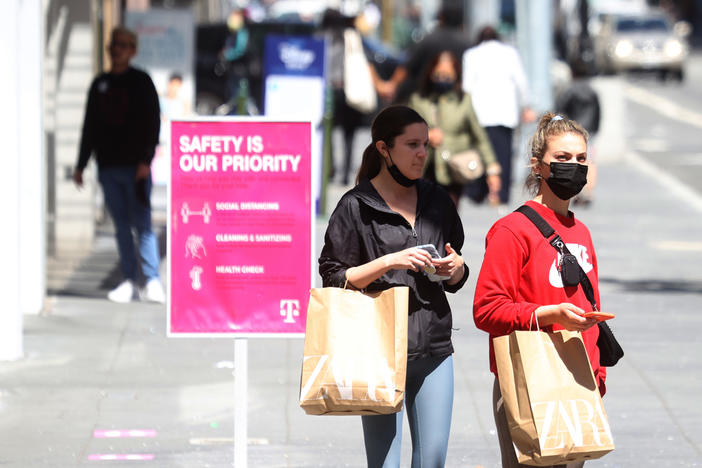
<point>434,111</point>
<point>534,317</point>
<point>557,243</point>
<point>434,121</point>
<point>347,282</point>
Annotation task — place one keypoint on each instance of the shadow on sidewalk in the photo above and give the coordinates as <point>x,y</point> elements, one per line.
<point>98,271</point>
<point>656,286</point>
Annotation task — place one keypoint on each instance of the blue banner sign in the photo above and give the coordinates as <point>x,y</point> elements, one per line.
<point>293,55</point>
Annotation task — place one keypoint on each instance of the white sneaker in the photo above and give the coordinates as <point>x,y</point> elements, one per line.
<point>153,291</point>
<point>123,293</point>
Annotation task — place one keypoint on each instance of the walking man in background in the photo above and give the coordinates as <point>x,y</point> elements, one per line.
<point>122,126</point>
<point>494,77</point>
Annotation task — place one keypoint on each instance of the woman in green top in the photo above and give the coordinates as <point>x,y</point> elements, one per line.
<point>453,127</point>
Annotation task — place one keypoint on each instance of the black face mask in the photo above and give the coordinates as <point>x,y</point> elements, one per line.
<point>442,86</point>
<point>567,179</point>
<point>399,177</point>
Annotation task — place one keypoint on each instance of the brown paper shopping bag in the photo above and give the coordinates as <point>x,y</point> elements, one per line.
<point>554,409</point>
<point>355,352</point>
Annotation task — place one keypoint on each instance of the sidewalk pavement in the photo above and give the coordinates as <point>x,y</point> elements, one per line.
<point>91,365</point>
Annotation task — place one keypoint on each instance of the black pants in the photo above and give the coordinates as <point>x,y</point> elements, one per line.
<point>501,140</point>
<point>349,120</point>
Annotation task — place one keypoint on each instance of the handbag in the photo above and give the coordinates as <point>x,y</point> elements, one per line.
<point>610,349</point>
<point>553,408</point>
<point>355,357</point>
<point>358,83</point>
<point>463,167</point>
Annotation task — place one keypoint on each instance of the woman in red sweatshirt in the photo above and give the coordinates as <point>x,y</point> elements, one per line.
<point>520,278</point>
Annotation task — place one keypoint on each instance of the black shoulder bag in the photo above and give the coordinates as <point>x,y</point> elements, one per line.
<point>572,274</point>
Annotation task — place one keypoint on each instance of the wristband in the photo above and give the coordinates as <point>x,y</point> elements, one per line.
<point>493,170</point>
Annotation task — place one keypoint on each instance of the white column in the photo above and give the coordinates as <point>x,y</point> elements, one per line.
<point>32,176</point>
<point>534,31</point>
<point>479,15</point>
<point>10,315</point>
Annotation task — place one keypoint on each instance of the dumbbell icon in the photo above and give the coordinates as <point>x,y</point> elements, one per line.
<point>205,212</point>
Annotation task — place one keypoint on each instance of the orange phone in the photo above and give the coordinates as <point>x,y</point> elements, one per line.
<point>600,316</point>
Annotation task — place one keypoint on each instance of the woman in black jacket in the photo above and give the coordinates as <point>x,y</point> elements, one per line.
<point>371,244</point>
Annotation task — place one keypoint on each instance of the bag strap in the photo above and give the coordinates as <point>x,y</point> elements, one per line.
<point>557,243</point>
<point>434,113</point>
<point>545,228</point>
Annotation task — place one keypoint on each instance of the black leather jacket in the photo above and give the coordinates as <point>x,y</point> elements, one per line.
<point>363,228</point>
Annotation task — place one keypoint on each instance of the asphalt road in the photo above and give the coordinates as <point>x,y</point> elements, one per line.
<point>664,123</point>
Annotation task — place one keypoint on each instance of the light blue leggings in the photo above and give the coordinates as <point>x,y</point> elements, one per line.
<point>429,403</point>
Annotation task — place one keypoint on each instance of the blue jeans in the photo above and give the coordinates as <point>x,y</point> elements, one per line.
<point>429,404</point>
<point>120,192</point>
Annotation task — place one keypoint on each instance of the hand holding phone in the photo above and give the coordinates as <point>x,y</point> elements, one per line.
<point>600,316</point>
<point>431,249</point>
<point>430,270</point>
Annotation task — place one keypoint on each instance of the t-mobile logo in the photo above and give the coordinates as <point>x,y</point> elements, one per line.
<point>289,308</point>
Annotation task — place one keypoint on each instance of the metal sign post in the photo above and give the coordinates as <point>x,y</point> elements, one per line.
<point>241,377</point>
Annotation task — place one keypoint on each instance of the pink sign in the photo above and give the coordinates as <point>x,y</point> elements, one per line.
<point>240,225</point>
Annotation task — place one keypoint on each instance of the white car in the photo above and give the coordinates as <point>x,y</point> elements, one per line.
<point>646,42</point>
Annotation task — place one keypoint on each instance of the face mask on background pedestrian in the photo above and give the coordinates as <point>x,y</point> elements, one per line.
<point>566,180</point>
<point>442,85</point>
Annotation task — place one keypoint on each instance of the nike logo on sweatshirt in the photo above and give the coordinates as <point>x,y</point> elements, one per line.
<point>580,253</point>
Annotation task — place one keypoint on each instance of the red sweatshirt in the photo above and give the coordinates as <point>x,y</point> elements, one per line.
<point>519,274</point>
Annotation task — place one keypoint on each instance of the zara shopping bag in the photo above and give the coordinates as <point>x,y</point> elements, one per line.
<point>553,407</point>
<point>355,357</point>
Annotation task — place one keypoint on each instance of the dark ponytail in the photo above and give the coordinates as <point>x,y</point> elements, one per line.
<point>370,164</point>
<point>387,125</point>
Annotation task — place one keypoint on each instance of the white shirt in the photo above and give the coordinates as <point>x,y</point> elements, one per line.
<point>494,77</point>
